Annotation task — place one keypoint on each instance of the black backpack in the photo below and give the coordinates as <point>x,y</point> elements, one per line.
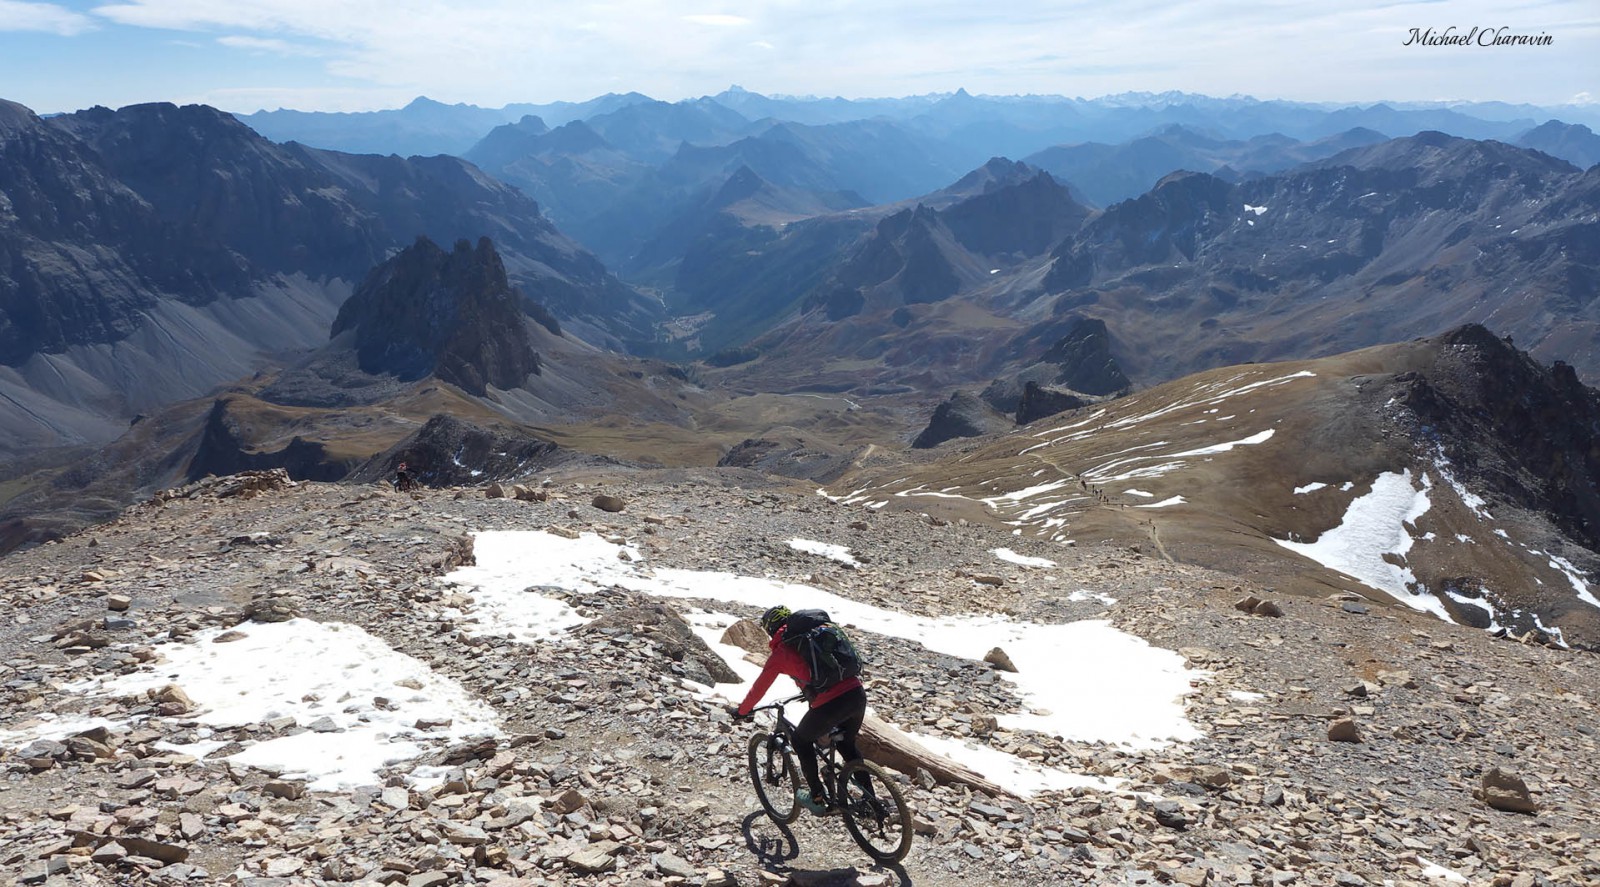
<point>824,646</point>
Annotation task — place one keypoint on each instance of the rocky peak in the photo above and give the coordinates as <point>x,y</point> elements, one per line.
<point>448,451</point>
<point>1432,157</point>
<point>15,117</point>
<point>744,183</point>
<point>1161,226</point>
<point>1515,426</point>
<point>508,142</point>
<point>998,172</point>
<point>962,415</point>
<point>1085,359</point>
<point>1025,215</point>
<point>449,314</point>
<point>223,448</point>
<point>573,138</point>
<point>1572,142</point>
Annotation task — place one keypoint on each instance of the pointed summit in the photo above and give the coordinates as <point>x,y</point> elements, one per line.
<point>451,315</point>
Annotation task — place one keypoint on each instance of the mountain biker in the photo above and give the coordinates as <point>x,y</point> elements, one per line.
<point>841,705</point>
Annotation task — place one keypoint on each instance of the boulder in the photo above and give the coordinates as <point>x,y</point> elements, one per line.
<point>998,658</point>
<point>1504,790</point>
<point>605,502</point>
<point>172,695</point>
<point>1344,730</point>
<point>167,853</point>
<point>672,635</point>
<point>592,860</point>
<point>747,636</point>
<point>289,790</point>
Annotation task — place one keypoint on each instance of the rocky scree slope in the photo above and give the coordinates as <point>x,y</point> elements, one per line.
<point>613,770</point>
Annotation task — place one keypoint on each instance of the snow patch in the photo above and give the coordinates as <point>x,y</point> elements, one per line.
<point>1023,560</point>
<point>308,671</point>
<point>830,551</point>
<point>1084,595</point>
<point>1436,872</point>
<point>1164,503</point>
<point>1576,578</point>
<point>1374,526</point>
<point>1310,488</point>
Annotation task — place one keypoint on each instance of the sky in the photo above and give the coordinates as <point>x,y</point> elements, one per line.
<point>350,55</point>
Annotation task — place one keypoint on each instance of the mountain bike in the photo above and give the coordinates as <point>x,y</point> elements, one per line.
<point>871,803</point>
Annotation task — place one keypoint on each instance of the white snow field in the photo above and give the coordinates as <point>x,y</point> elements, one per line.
<point>1375,525</point>
<point>307,671</point>
<point>1084,681</point>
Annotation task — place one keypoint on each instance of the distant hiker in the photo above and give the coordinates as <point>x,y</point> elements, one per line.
<point>402,478</point>
<point>808,647</point>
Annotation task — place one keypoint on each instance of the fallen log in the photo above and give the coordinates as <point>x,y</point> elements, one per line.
<point>886,744</point>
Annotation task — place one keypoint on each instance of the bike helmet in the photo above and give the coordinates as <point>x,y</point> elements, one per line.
<point>773,619</point>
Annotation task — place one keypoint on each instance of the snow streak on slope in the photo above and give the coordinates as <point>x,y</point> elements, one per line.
<point>1375,526</point>
<point>1057,472</point>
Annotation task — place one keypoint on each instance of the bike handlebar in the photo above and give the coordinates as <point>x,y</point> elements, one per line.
<point>777,706</point>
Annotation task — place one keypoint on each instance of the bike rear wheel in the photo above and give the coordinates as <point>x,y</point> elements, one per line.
<point>775,776</point>
<point>875,811</point>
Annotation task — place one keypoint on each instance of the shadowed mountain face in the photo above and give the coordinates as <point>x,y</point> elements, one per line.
<point>153,252</point>
<point>83,253</point>
<point>922,254</point>
<point>739,278</point>
<point>1390,241</point>
<point>1107,174</point>
<point>1379,243</point>
<point>1572,142</point>
<point>451,315</point>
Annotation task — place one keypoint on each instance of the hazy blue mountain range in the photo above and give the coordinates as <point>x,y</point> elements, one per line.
<point>624,174</point>
<point>982,126</point>
<point>1572,142</point>
<point>1383,242</point>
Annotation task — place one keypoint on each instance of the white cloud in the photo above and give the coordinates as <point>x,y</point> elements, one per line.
<point>718,19</point>
<point>264,44</point>
<point>47,17</point>
<point>495,51</point>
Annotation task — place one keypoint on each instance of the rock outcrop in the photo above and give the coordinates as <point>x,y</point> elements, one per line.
<point>451,315</point>
<point>448,451</point>
<point>963,415</point>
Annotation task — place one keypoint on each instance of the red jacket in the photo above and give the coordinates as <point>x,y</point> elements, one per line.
<point>782,659</point>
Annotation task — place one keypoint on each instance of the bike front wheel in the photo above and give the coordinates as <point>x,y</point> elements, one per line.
<point>775,776</point>
<point>875,811</point>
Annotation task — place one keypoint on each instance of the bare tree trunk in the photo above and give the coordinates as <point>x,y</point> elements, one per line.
<point>887,745</point>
